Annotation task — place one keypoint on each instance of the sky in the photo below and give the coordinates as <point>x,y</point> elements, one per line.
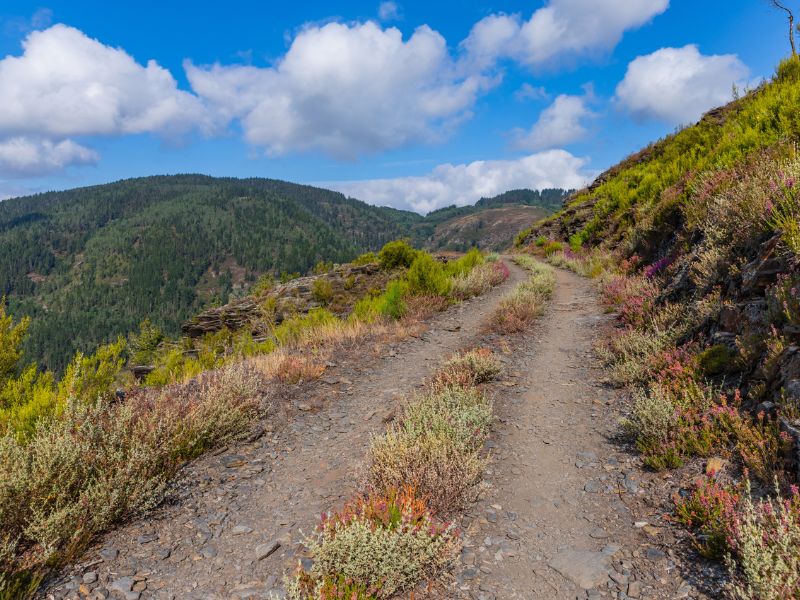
<point>412,104</point>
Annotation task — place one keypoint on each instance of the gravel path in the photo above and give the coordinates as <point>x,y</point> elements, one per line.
<point>567,512</point>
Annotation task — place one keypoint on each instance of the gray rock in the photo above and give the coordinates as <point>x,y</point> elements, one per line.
<point>586,568</point>
<point>241,530</point>
<point>109,554</point>
<point>265,550</point>
<point>90,577</point>
<point>123,585</point>
<point>593,486</point>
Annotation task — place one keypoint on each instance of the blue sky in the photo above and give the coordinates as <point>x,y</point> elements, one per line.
<point>412,104</point>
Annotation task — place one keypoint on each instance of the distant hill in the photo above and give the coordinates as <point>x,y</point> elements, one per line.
<point>490,223</point>
<point>90,264</point>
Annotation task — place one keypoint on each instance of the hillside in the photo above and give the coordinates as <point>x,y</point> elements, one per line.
<point>90,264</point>
<point>490,223</point>
<point>696,240</point>
<point>489,228</point>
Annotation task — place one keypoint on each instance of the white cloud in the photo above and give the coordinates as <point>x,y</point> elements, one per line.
<point>345,89</point>
<point>466,183</point>
<point>559,124</point>
<point>26,156</point>
<point>388,11</point>
<point>677,85</point>
<point>529,92</point>
<point>67,84</point>
<point>562,28</point>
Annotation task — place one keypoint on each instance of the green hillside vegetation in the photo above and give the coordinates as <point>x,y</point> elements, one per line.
<point>696,244</point>
<point>90,264</point>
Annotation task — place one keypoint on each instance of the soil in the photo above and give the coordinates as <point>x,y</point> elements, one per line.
<point>566,511</point>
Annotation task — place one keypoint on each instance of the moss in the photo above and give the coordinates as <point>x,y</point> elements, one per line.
<point>717,360</point>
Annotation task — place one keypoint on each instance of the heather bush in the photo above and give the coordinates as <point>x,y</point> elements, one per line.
<point>95,463</point>
<point>765,537</point>
<point>709,512</point>
<point>437,464</point>
<point>461,414</point>
<point>375,547</point>
<point>435,447</point>
<point>390,303</point>
<point>519,309</point>
<point>468,369</point>
<point>479,280</point>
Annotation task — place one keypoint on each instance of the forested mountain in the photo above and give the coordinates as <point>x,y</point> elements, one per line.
<point>90,264</point>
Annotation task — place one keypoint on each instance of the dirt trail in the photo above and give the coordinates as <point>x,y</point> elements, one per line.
<point>557,516</point>
<point>220,540</point>
<point>568,513</point>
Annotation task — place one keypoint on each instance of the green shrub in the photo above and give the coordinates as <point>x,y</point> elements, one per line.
<point>716,360</point>
<point>349,282</point>
<point>552,248</point>
<point>143,346</point>
<point>540,241</point>
<point>322,291</point>
<point>427,276</point>
<point>462,266</point>
<point>388,304</point>
<point>11,337</point>
<point>366,259</point>
<point>323,267</point>
<point>397,254</point>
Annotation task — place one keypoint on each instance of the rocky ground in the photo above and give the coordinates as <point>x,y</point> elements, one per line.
<point>567,511</point>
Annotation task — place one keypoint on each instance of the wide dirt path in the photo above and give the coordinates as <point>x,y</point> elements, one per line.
<point>241,515</point>
<point>566,512</point>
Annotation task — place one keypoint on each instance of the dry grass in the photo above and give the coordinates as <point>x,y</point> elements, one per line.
<point>468,369</point>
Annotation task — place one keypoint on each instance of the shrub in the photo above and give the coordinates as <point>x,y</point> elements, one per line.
<point>144,345</point>
<point>397,254</point>
<point>388,304</point>
<point>375,547</point>
<point>322,291</point>
<point>468,369</point>
<point>709,511</point>
<point>519,309</point>
<point>762,446</point>
<point>765,538</point>
<point>479,280</point>
<point>96,463</point>
<point>552,248</point>
<point>435,448</point>
<point>366,259</point>
<point>11,337</point>
<point>323,267</point>
<point>435,463</point>
<point>465,264</point>
<point>427,276</point>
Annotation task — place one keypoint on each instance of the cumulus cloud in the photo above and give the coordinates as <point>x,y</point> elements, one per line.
<point>559,124</point>
<point>530,92</point>
<point>388,11</point>
<point>562,28</point>
<point>66,84</point>
<point>345,89</point>
<point>26,156</point>
<point>465,184</point>
<point>677,85</point>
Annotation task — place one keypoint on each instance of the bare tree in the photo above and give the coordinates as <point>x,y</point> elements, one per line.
<point>787,10</point>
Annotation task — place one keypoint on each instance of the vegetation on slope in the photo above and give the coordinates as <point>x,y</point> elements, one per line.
<point>90,264</point>
<point>79,456</point>
<point>695,242</point>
